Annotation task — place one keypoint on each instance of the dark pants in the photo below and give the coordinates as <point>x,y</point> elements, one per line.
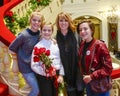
<point>80,93</point>
<point>71,91</point>
<point>46,86</point>
<point>75,92</point>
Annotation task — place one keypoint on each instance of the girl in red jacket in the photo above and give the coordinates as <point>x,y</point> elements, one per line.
<point>93,61</point>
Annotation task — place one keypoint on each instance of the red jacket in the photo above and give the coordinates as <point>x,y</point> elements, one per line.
<point>101,64</point>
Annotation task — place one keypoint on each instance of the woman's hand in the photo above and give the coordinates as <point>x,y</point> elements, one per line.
<point>60,79</point>
<point>54,41</point>
<point>87,78</point>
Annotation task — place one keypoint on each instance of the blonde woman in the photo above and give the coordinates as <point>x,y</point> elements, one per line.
<point>23,45</point>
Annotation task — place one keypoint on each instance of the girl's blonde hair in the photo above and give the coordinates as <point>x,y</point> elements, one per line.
<point>67,17</point>
<point>47,23</point>
<point>38,14</point>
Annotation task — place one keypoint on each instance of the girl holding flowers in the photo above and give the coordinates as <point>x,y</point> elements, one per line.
<point>46,62</point>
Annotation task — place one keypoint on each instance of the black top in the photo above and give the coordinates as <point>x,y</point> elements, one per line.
<point>68,53</point>
<point>83,55</point>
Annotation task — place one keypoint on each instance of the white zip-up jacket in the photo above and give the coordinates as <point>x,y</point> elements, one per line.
<point>54,54</point>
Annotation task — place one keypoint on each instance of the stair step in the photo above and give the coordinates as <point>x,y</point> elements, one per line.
<point>4,90</point>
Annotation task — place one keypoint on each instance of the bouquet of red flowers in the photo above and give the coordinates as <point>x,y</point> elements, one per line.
<point>41,54</point>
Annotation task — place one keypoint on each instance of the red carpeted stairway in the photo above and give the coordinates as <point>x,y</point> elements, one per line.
<point>4,91</point>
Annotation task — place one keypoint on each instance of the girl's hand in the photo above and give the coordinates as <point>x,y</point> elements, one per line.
<point>87,78</point>
<point>60,79</point>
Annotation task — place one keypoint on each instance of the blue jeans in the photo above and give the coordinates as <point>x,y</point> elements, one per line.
<point>91,93</point>
<point>32,81</point>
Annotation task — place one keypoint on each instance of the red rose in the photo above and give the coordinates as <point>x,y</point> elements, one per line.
<point>9,13</point>
<point>42,50</point>
<point>36,51</point>
<point>36,59</point>
<point>47,52</point>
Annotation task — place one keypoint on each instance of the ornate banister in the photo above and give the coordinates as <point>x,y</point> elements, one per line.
<point>5,35</point>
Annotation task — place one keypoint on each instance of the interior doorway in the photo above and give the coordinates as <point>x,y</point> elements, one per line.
<point>95,20</point>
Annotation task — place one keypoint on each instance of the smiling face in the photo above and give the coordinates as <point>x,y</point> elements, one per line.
<point>86,30</point>
<point>63,24</point>
<point>35,21</point>
<point>46,31</point>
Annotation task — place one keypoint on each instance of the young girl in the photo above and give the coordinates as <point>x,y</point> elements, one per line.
<point>93,66</point>
<point>23,45</point>
<point>46,82</point>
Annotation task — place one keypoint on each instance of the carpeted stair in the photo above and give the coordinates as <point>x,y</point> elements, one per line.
<point>4,91</point>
